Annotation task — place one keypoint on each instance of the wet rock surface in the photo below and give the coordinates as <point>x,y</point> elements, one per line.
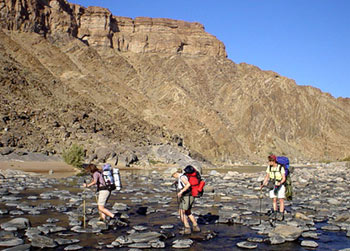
<point>229,213</point>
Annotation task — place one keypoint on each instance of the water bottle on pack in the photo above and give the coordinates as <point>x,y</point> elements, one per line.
<point>117,180</point>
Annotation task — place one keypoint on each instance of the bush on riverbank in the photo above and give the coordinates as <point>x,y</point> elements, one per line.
<point>74,156</point>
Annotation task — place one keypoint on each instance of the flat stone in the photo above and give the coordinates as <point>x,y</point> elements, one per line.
<point>310,244</point>
<point>247,245</point>
<point>140,245</point>
<point>73,247</point>
<point>122,240</point>
<point>167,226</point>
<point>312,235</point>
<point>330,228</point>
<point>158,244</point>
<point>62,241</point>
<point>20,223</point>
<point>140,228</point>
<point>258,240</point>
<point>186,243</point>
<point>289,233</point>
<point>41,241</point>
<point>10,242</point>
<point>24,247</point>
<point>144,237</point>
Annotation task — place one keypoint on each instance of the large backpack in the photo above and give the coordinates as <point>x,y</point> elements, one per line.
<point>284,161</point>
<point>111,177</point>
<point>196,181</point>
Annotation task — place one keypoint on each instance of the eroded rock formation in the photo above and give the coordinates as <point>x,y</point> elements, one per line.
<point>73,74</point>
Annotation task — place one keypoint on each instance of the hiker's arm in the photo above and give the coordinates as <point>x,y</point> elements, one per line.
<point>91,184</point>
<point>266,180</point>
<point>187,186</point>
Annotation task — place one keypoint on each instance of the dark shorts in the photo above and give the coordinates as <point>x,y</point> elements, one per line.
<point>186,202</point>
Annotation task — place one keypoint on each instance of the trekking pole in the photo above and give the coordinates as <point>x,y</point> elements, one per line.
<point>260,198</point>
<point>84,207</point>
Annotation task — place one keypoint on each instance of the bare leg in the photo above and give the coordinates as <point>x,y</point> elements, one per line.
<point>104,211</point>
<point>281,205</point>
<point>274,200</point>
<point>183,218</point>
<point>193,220</point>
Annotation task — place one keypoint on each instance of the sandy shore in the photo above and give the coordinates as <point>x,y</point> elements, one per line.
<point>54,169</point>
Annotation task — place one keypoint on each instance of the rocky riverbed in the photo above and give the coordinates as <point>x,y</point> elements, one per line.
<point>38,212</point>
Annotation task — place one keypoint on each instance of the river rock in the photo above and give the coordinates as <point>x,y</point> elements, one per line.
<point>140,245</point>
<point>20,223</point>
<point>73,247</point>
<point>145,237</point>
<point>330,228</point>
<point>122,240</point>
<point>310,244</point>
<point>247,245</point>
<point>10,242</point>
<point>120,206</point>
<point>41,241</point>
<point>312,235</point>
<point>276,239</point>
<point>186,243</point>
<point>139,228</point>
<point>289,233</point>
<point>24,247</point>
<point>157,244</point>
<point>61,241</point>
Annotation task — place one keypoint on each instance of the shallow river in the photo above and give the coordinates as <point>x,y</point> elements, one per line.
<point>146,188</point>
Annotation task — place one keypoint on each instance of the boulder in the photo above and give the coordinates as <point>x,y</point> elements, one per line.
<point>289,233</point>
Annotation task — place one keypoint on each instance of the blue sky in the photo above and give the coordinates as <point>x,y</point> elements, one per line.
<point>305,40</point>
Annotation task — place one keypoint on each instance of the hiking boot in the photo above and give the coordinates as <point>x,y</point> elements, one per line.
<point>273,215</point>
<point>186,230</point>
<point>196,228</point>
<point>117,222</point>
<point>280,216</point>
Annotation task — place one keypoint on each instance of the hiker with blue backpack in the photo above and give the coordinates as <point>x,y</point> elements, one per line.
<point>103,190</point>
<point>275,179</point>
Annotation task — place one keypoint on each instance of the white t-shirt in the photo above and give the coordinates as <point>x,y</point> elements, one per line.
<point>180,183</point>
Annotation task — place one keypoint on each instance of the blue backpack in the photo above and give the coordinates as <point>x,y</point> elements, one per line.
<point>284,161</point>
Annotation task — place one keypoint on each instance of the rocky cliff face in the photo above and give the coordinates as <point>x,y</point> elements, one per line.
<point>98,27</point>
<point>73,74</point>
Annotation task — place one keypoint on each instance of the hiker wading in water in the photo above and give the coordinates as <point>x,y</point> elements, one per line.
<point>103,192</point>
<point>275,174</point>
<point>185,201</point>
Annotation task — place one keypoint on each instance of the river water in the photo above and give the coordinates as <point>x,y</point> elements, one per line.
<point>146,189</point>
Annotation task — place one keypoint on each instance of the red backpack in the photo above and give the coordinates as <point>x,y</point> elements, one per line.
<point>194,178</point>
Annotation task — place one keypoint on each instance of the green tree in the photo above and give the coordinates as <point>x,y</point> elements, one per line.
<point>74,156</point>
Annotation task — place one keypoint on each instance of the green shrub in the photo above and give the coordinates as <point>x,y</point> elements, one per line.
<point>74,156</point>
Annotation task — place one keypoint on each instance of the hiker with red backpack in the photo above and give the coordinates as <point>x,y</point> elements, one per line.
<point>185,191</point>
<point>275,179</point>
<point>103,191</point>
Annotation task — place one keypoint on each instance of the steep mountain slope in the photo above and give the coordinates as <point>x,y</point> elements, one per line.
<point>74,74</point>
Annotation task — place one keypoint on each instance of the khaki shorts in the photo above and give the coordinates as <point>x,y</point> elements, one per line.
<point>186,202</point>
<point>103,196</point>
<point>281,194</point>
